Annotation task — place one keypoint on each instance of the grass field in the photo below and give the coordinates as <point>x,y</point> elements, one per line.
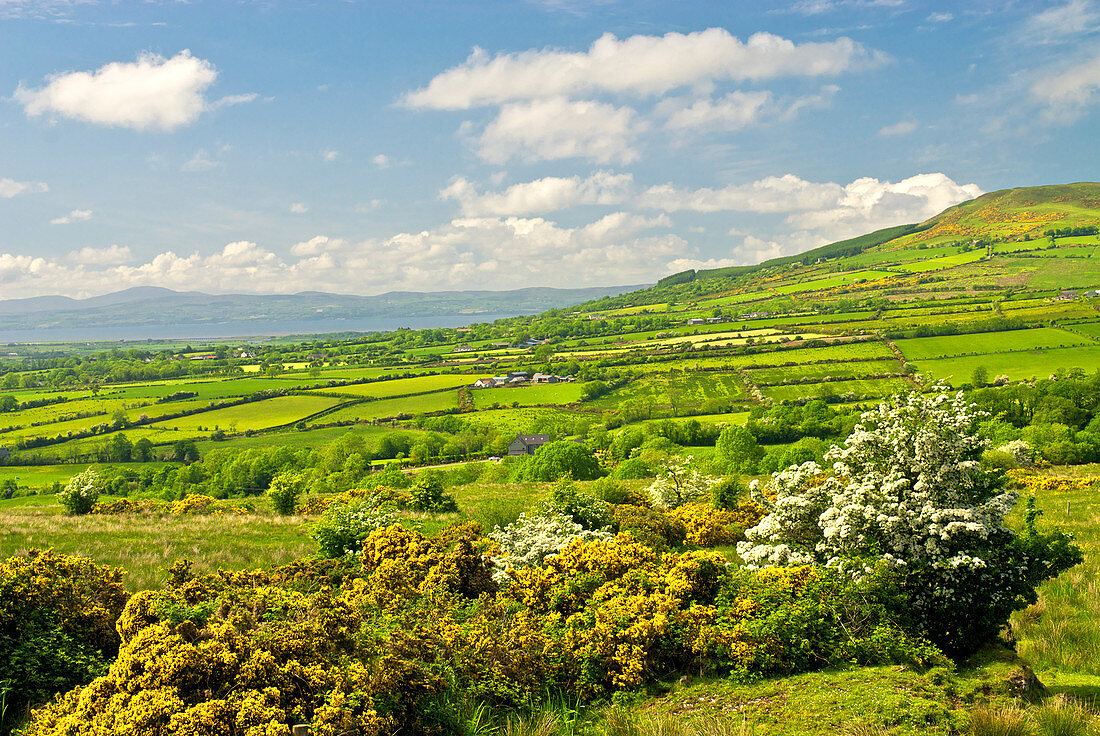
<point>1017,366</point>
<point>823,370</point>
<point>558,393</point>
<point>675,390</point>
<point>922,348</point>
<point>1061,633</point>
<point>401,386</point>
<point>383,408</point>
<point>255,415</point>
<point>859,387</point>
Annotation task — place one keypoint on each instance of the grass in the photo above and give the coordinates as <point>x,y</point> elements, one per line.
<point>145,546</point>
<point>394,407</point>
<point>256,415</point>
<point>860,387</point>
<point>541,394</point>
<point>823,370</point>
<point>922,348</point>
<point>1061,632</point>
<point>401,386</point>
<point>1019,366</point>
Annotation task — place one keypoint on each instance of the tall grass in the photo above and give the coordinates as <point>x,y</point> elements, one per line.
<point>146,545</point>
<point>1062,630</point>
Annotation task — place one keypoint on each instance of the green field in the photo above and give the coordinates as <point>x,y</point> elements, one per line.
<point>400,386</point>
<point>859,388</point>
<point>385,408</point>
<point>761,376</point>
<point>531,395</point>
<point>1020,366</point>
<point>264,414</point>
<point>923,348</point>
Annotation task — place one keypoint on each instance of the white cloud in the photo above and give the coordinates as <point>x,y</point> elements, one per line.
<point>382,161</point>
<point>74,216</point>
<point>868,204</point>
<point>369,206</point>
<point>299,208</point>
<point>1067,93</point>
<point>639,65</point>
<point>201,161</point>
<point>111,256</point>
<point>734,111</point>
<point>940,17</point>
<point>330,154</point>
<point>315,246</point>
<point>772,194</point>
<point>540,196</point>
<point>10,188</point>
<point>475,252</point>
<point>902,127</point>
<point>1055,24</point>
<point>152,92</point>
<point>557,128</point>
<point>817,7</point>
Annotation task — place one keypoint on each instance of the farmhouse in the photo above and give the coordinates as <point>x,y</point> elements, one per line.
<point>526,444</point>
<point>465,349</point>
<point>4,455</point>
<point>484,383</point>
<point>1092,294</point>
<point>697,321</point>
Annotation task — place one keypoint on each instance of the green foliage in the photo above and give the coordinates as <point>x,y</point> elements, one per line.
<point>428,493</point>
<point>82,491</point>
<point>285,490</point>
<point>728,493</point>
<point>57,625</point>
<point>343,526</point>
<point>738,450</point>
<point>556,460</point>
<point>585,509</point>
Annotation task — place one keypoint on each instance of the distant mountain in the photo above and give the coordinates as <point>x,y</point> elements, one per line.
<point>148,305</point>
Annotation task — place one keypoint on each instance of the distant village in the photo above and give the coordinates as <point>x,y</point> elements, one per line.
<point>519,378</point>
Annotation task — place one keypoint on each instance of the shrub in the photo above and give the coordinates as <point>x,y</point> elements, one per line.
<point>585,509</point>
<point>648,527</point>
<point>428,494</point>
<point>284,491</point>
<point>529,540</point>
<point>634,468</point>
<point>678,484</point>
<point>907,490</point>
<point>706,526</point>
<point>556,460</point>
<point>343,526</point>
<point>728,492</point>
<point>57,624</point>
<point>82,492</point>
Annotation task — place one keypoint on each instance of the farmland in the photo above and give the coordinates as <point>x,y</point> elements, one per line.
<point>739,373</point>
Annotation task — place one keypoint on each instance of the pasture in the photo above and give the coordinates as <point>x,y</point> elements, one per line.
<point>275,412</point>
<point>923,348</point>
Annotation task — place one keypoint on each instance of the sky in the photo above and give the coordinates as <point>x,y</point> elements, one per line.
<point>365,146</point>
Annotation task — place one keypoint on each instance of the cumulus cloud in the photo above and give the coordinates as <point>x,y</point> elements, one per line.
<point>10,188</point>
<point>469,252</point>
<point>382,161</point>
<point>638,65</point>
<point>330,154</point>
<point>299,208</point>
<point>150,93</point>
<point>74,216</point>
<point>733,111</point>
<point>902,127</point>
<point>868,204</point>
<point>110,256</point>
<point>540,196</point>
<point>558,128</point>
<point>772,194</point>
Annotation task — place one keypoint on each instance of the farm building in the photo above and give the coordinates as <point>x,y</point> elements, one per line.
<point>697,321</point>
<point>526,444</point>
<point>484,383</point>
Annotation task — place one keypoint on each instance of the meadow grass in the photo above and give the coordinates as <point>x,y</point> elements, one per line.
<point>255,415</point>
<point>860,387</point>
<point>1061,632</point>
<point>822,370</point>
<point>438,401</point>
<point>400,386</point>
<point>533,395</point>
<point>946,346</point>
<point>146,545</point>
<point>1018,366</point>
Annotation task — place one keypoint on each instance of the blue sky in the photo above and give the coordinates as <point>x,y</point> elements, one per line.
<point>363,147</point>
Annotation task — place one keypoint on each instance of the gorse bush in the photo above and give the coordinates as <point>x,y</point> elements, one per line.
<point>81,492</point>
<point>57,625</point>
<point>907,490</point>
<point>343,526</point>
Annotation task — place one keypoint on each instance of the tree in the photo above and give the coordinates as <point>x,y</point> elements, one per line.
<point>284,491</point>
<point>428,494</point>
<point>555,460</point>
<point>185,451</point>
<point>81,492</point>
<point>8,403</point>
<point>980,376</point>
<point>906,491</point>
<point>143,450</point>
<point>678,484</point>
<point>120,449</point>
<point>737,448</point>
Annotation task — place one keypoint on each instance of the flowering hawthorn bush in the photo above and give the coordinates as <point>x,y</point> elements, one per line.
<point>81,492</point>
<point>907,489</point>
<point>529,540</point>
<point>678,484</point>
<point>343,526</point>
